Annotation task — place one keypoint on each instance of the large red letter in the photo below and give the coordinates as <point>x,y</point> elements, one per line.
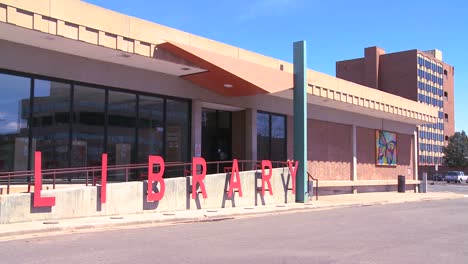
<point>155,177</point>
<point>235,184</point>
<point>293,174</point>
<point>38,200</point>
<point>266,178</point>
<point>103,177</point>
<point>198,178</point>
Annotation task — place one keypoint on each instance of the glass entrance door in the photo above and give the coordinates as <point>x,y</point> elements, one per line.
<point>216,137</point>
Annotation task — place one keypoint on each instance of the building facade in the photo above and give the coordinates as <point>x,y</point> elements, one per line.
<point>79,80</point>
<point>417,75</point>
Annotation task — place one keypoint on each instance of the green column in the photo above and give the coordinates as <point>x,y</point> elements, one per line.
<point>300,119</point>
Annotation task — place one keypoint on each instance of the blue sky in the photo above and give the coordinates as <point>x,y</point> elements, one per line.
<point>334,29</point>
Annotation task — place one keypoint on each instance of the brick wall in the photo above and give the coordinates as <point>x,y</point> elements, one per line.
<point>367,170</point>
<point>329,150</point>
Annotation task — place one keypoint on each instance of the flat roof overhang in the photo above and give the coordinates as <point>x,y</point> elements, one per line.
<point>66,45</point>
<point>227,75</point>
<point>248,78</point>
<point>214,71</point>
<point>355,107</point>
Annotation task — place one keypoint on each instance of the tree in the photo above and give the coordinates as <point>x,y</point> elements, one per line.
<point>456,152</point>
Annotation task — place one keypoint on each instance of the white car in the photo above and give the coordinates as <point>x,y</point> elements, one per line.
<point>456,177</point>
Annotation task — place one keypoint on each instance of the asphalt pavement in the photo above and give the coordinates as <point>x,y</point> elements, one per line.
<point>442,186</point>
<point>420,232</point>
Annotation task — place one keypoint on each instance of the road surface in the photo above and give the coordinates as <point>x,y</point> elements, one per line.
<point>421,232</point>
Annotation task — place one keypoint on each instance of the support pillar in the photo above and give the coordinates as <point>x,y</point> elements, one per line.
<point>196,128</point>
<point>251,134</point>
<point>415,158</point>
<point>354,165</point>
<point>300,119</point>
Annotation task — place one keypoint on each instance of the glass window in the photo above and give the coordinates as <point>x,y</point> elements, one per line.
<point>271,136</point>
<point>88,126</point>
<point>278,137</point>
<point>427,64</point>
<point>150,127</point>
<point>177,130</point>
<point>51,123</point>
<point>121,114</point>
<point>14,115</point>
<point>263,136</point>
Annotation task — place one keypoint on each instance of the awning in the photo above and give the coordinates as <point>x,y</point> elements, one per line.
<point>227,75</point>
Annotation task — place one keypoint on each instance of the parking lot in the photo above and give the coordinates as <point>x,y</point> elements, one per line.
<point>442,186</point>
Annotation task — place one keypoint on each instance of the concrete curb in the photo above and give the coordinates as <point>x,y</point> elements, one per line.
<point>202,216</point>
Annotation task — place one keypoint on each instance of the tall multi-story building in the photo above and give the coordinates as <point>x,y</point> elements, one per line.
<point>422,76</point>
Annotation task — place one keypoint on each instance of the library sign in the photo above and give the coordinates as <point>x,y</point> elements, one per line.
<point>198,178</point>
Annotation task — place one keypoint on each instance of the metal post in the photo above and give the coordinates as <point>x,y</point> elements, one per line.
<point>8,186</point>
<point>300,119</point>
<point>423,184</point>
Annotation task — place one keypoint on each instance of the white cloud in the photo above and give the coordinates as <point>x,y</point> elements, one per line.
<point>10,127</point>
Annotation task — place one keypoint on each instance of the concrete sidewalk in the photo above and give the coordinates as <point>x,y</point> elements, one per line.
<point>41,228</point>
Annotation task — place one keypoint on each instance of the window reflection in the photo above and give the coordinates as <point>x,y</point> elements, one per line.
<point>88,126</point>
<point>151,127</point>
<point>177,130</point>
<point>278,137</point>
<point>51,123</point>
<point>271,136</point>
<point>67,115</point>
<point>14,114</point>
<point>121,128</point>
<point>263,136</point>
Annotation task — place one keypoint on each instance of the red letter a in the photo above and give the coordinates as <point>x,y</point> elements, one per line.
<point>293,174</point>
<point>266,178</point>
<point>235,184</point>
<point>198,178</point>
<point>38,200</point>
<point>155,177</point>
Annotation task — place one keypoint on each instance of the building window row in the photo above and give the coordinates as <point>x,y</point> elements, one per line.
<point>430,65</point>
<point>430,147</point>
<point>431,136</point>
<point>430,100</point>
<point>72,124</point>
<point>430,159</point>
<point>430,89</point>
<point>439,126</point>
<point>430,77</point>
